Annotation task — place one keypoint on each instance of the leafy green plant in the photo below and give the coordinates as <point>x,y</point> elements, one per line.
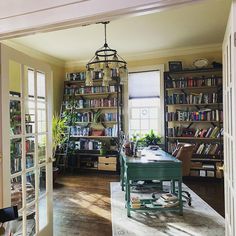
<point>97,121</point>
<point>150,139</point>
<point>59,127</point>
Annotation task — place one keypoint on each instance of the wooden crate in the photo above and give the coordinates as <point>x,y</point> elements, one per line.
<point>107,159</point>
<point>107,166</point>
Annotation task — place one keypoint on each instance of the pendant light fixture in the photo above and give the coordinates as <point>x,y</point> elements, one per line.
<point>107,62</point>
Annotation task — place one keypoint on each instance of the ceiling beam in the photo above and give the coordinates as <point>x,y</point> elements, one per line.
<point>21,17</point>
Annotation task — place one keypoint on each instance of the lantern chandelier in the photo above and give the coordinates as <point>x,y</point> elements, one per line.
<point>106,64</point>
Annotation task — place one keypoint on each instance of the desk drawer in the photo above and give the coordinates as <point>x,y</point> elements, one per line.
<point>107,159</point>
<point>107,166</point>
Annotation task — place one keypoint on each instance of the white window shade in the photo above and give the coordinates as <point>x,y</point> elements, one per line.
<point>144,84</point>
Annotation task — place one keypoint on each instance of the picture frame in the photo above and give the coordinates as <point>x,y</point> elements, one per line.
<point>175,65</point>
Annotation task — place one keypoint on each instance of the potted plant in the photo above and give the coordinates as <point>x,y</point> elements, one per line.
<point>151,139</point>
<point>97,128</point>
<point>59,127</point>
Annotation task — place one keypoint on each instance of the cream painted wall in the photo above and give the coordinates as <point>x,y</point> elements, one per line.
<point>57,68</point>
<point>14,76</point>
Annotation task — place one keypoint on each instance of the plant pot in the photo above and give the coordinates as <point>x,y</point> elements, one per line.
<point>103,152</point>
<point>97,132</point>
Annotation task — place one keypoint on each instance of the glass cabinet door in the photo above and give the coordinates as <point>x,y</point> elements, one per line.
<point>29,165</point>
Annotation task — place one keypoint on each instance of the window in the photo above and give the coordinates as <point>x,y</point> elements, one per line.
<point>144,102</point>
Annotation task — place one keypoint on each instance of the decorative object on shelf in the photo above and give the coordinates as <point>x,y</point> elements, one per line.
<point>107,61</point>
<point>175,65</point>
<point>201,63</point>
<point>216,64</point>
<point>97,128</point>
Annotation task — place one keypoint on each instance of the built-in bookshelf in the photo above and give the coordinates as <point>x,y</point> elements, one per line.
<point>194,114</point>
<point>81,104</point>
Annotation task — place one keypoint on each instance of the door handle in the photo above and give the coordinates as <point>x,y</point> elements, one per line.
<point>50,160</point>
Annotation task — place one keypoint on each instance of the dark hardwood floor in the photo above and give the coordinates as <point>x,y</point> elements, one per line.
<point>211,191</point>
<point>82,202</point>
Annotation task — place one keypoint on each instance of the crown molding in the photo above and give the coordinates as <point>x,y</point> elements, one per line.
<point>34,53</point>
<point>156,54</point>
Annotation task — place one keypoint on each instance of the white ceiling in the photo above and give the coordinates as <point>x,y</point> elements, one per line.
<point>192,25</point>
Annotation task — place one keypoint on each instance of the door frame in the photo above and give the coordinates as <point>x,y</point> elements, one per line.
<point>8,54</point>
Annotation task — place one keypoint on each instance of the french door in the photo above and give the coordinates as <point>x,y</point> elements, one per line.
<point>26,146</point>
<point>229,88</point>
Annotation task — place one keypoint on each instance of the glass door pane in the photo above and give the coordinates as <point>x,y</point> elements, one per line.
<point>28,149</point>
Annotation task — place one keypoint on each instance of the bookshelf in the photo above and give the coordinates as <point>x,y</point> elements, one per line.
<point>80,105</point>
<point>194,114</point>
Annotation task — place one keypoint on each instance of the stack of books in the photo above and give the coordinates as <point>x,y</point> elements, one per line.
<point>135,202</point>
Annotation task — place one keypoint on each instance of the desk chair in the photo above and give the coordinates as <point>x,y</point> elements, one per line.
<point>184,152</point>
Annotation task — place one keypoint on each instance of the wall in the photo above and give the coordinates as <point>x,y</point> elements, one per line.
<point>57,67</point>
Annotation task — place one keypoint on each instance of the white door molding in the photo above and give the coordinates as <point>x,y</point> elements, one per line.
<point>229,92</point>
<point>22,17</point>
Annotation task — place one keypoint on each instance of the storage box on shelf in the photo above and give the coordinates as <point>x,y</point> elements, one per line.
<point>94,119</point>
<point>194,114</point>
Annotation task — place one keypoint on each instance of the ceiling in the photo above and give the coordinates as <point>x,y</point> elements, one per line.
<point>191,25</point>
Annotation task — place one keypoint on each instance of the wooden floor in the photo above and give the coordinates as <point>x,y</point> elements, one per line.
<point>82,203</point>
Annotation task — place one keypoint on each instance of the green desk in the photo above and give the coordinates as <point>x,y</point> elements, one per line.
<point>153,165</point>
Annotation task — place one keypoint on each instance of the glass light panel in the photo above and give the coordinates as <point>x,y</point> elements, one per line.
<point>29,117</point>
<point>42,213</point>
<point>154,124</point>
<point>16,155</point>
<point>135,124</point>
<point>14,79</point>
<point>42,181</point>
<point>41,86</point>
<point>30,187</point>
<point>41,112</point>
<point>31,220</point>
<point>16,192</point>
<point>30,154</point>
<point>30,92</point>
<point>41,148</point>
<point>153,112</point>
<point>144,113</point>
<point>145,124</point>
<point>135,113</point>
<point>15,117</point>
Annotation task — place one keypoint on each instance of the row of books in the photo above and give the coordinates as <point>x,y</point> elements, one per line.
<point>88,117</point>
<point>193,98</point>
<point>180,131</point>
<point>87,131</point>
<point>201,148</point>
<point>85,144</point>
<point>81,76</point>
<point>211,132</point>
<point>96,89</point>
<point>15,165</point>
<point>93,103</point>
<point>201,115</point>
<point>111,131</point>
<point>74,90</point>
<point>29,145</point>
<point>208,149</point>
<point>184,82</point>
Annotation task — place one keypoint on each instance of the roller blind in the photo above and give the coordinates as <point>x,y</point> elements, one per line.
<point>144,84</point>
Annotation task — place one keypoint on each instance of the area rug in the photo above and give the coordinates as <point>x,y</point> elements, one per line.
<point>198,220</point>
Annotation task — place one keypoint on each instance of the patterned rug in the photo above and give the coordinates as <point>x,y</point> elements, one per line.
<point>198,220</point>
